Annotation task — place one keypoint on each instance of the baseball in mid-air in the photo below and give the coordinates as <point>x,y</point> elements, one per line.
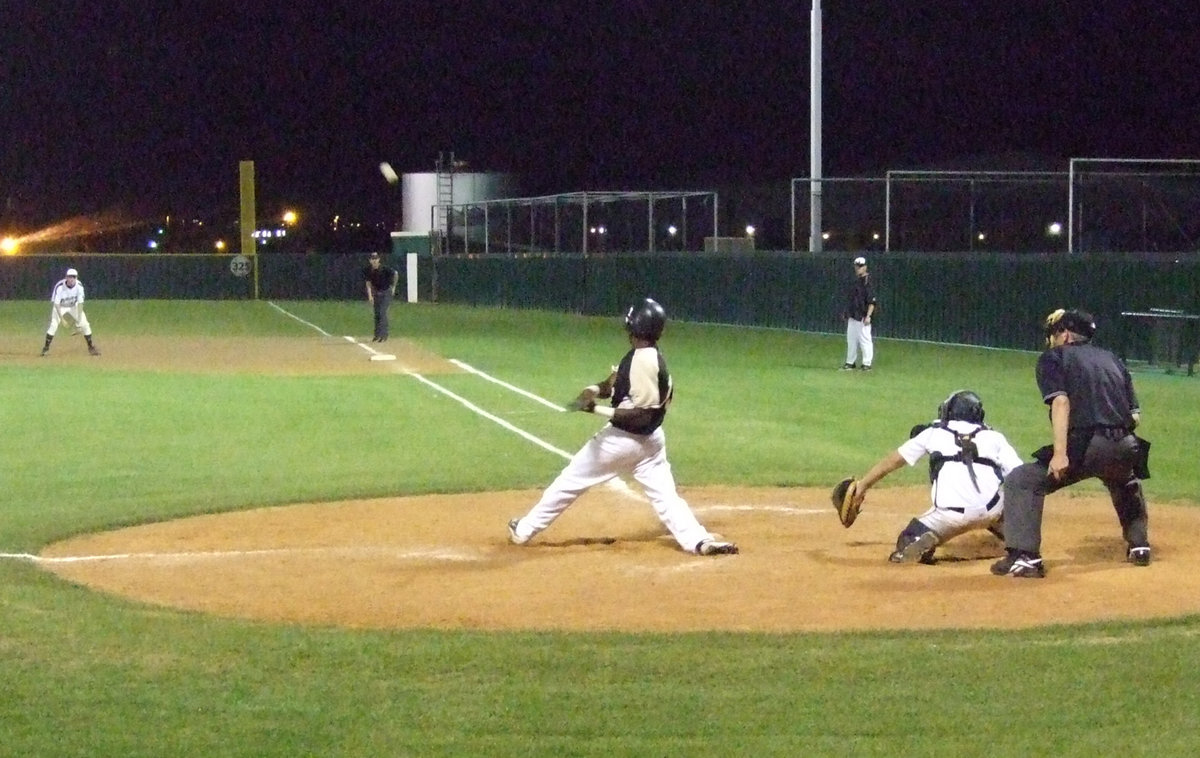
<point>388,172</point>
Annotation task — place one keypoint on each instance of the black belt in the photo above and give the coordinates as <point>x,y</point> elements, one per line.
<point>1111,433</point>
<point>991,504</point>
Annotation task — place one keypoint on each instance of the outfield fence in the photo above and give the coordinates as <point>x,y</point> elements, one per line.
<point>985,299</point>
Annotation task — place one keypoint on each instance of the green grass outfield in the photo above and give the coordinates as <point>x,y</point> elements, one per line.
<point>83,674</point>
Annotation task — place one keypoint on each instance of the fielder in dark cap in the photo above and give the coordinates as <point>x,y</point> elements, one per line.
<point>1093,412</point>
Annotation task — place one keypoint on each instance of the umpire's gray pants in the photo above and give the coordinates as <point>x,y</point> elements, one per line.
<point>1109,460</point>
<point>382,301</point>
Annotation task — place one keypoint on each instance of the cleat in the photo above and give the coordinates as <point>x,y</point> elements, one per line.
<point>716,547</point>
<point>1139,556</point>
<point>917,550</point>
<point>1015,564</point>
<point>512,533</point>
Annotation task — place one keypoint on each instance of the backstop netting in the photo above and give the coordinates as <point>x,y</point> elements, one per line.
<point>937,211</point>
<point>1134,204</point>
<point>583,222</point>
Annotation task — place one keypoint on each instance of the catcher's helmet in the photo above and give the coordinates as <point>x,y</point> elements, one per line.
<point>963,405</point>
<point>646,320</point>
<point>1075,321</point>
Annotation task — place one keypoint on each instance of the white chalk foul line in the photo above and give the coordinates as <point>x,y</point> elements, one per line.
<point>370,350</point>
<point>786,510</point>
<point>536,398</point>
<point>616,483</point>
<point>291,315</point>
<point>428,554</point>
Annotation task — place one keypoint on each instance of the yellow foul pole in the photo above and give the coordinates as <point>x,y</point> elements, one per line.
<point>248,220</point>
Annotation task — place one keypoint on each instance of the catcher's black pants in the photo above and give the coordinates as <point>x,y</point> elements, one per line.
<point>1110,459</point>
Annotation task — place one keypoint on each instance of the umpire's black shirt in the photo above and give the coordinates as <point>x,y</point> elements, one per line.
<point>1096,381</point>
<point>381,278</point>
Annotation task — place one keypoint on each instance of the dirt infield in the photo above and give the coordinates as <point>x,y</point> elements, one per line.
<point>444,562</point>
<point>295,356</point>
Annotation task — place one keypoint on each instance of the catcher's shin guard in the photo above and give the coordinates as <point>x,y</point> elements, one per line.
<point>916,542</point>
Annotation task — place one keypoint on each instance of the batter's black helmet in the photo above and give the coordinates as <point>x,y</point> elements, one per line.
<point>646,320</point>
<point>963,405</point>
<point>1074,321</point>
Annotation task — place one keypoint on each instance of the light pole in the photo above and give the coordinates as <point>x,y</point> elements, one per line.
<point>814,133</point>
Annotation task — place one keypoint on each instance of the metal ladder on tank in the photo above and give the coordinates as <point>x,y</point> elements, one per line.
<point>445,199</point>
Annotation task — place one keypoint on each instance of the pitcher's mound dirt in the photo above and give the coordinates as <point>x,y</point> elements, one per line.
<point>444,562</point>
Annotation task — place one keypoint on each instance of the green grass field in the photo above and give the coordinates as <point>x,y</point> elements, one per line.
<point>83,674</point>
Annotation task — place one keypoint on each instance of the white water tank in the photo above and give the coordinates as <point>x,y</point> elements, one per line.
<point>419,193</point>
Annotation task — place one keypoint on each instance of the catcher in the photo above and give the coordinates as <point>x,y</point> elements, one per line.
<point>632,441</point>
<point>968,461</point>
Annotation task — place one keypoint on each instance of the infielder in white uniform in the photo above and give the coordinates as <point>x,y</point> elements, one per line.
<point>66,305</point>
<point>632,441</point>
<point>968,461</point>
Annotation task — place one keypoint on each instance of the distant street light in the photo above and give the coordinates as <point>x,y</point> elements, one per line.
<point>290,218</point>
<point>1054,229</point>
<point>749,230</point>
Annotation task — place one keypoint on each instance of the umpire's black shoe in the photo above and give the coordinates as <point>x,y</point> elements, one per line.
<point>1139,556</point>
<point>1016,563</point>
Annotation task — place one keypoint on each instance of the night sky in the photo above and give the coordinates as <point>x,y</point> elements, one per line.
<point>125,105</point>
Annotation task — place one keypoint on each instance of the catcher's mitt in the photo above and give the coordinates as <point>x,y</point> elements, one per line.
<point>844,501</point>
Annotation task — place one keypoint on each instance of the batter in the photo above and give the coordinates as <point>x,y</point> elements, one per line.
<point>632,442</point>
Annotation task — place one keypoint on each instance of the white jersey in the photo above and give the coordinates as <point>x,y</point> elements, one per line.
<point>953,487</point>
<point>67,297</point>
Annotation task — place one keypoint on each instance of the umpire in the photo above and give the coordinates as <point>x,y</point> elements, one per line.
<point>381,287</point>
<point>1093,411</point>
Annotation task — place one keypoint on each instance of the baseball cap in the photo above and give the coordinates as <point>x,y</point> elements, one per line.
<point>860,261</point>
<point>373,255</point>
<point>72,272</point>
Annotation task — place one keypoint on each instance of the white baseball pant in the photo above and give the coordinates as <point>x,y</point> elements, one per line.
<point>608,453</point>
<point>858,337</point>
<point>73,314</point>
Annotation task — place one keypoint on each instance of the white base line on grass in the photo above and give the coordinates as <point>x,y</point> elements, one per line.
<point>435,554</point>
<point>291,315</point>
<point>616,483</point>
<point>506,385</point>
